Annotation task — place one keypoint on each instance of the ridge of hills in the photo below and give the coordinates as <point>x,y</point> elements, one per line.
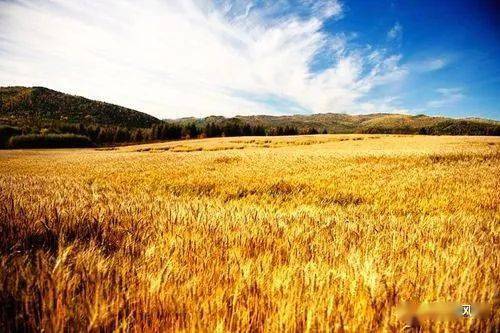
<point>368,123</point>
<point>39,106</point>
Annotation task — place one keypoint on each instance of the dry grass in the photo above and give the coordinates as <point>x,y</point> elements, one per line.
<point>322,233</point>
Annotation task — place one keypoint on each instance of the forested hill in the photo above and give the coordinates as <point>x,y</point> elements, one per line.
<point>40,111</point>
<point>21,106</point>
<point>370,123</point>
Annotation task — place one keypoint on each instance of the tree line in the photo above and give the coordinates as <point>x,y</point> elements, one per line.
<point>78,135</point>
<point>447,127</point>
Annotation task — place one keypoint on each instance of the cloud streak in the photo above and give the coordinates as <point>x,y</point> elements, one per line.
<point>396,32</point>
<point>191,58</point>
<point>429,65</point>
<point>448,97</point>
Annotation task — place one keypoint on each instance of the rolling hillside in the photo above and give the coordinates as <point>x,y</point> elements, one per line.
<point>370,123</point>
<point>23,106</point>
<point>40,107</point>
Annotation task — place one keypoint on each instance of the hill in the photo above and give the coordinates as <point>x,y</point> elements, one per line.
<point>38,111</point>
<point>22,106</point>
<point>370,123</point>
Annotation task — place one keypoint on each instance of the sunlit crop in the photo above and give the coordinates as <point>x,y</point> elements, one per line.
<point>308,233</point>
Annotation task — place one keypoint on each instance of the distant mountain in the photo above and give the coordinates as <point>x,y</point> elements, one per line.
<point>370,123</point>
<point>35,106</point>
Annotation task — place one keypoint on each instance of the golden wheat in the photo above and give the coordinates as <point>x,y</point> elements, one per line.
<point>310,233</point>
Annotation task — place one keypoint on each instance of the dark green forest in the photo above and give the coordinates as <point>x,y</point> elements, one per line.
<point>16,137</point>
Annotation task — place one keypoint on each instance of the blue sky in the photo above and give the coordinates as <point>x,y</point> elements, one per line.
<point>177,58</point>
<point>465,35</point>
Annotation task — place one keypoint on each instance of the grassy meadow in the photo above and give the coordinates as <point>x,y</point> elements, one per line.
<point>306,233</point>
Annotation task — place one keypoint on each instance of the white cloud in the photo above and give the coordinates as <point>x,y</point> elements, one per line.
<point>434,64</point>
<point>325,9</point>
<point>396,32</point>
<point>189,58</point>
<point>429,65</point>
<point>448,97</point>
<point>389,104</point>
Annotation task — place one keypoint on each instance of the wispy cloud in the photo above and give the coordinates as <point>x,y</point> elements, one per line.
<point>429,64</point>
<point>448,97</point>
<point>191,58</point>
<point>325,9</point>
<point>396,32</point>
<point>389,104</point>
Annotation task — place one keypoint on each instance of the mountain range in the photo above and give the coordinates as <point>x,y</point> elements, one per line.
<point>37,106</point>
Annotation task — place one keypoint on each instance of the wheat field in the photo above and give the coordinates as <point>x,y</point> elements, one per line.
<point>281,234</point>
